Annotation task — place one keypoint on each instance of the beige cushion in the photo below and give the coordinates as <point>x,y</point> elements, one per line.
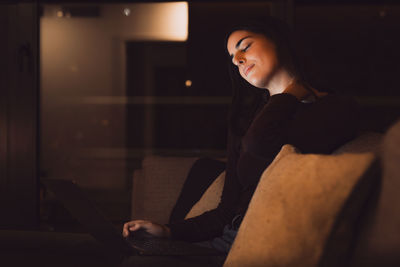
<point>210,198</point>
<point>365,142</point>
<point>294,207</point>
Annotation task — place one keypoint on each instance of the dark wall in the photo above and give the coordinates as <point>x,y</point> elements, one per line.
<point>18,116</point>
<point>355,51</point>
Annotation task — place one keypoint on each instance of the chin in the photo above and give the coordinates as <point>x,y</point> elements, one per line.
<point>258,84</point>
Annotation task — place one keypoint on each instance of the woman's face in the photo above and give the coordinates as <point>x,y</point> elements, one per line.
<point>254,55</point>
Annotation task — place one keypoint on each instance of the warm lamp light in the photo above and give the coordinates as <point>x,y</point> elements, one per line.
<point>172,20</point>
<point>188,83</point>
<point>178,20</point>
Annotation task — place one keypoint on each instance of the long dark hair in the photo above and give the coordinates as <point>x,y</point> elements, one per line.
<point>247,98</point>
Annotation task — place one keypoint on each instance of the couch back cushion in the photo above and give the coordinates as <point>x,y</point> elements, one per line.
<point>379,244</point>
<point>294,208</point>
<point>157,186</point>
<point>365,142</point>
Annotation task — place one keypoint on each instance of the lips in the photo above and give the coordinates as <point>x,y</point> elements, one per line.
<point>248,69</point>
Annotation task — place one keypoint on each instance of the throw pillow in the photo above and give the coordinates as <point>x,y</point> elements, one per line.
<point>294,208</point>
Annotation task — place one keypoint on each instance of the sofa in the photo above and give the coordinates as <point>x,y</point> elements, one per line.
<point>340,209</point>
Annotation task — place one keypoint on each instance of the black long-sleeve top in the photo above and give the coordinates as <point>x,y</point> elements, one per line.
<point>317,127</point>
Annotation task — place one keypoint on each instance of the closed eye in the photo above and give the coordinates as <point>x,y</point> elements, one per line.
<point>247,47</point>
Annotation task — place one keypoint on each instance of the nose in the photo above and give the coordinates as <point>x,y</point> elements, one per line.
<point>239,59</point>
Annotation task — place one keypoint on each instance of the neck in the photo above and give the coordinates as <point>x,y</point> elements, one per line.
<point>279,82</point>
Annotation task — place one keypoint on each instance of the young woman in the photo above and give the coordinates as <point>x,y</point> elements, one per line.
<point>274,103</point>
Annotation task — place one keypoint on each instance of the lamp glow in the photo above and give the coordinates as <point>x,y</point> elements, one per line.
<point>127,12</point>
<point>188,83</point>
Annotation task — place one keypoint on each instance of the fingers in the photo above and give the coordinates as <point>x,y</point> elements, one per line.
<point>154,229</point>
<point>125,231</point>
<point>135,227</point>
<point>132,224</point>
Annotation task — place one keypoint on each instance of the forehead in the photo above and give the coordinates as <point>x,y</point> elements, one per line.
<point>234,38</point>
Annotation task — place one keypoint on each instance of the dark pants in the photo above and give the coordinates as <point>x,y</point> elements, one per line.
<point>223,243</point>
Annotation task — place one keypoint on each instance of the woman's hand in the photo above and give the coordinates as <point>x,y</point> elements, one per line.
<point>152,228</point>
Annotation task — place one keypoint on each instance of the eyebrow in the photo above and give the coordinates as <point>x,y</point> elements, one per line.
<point>239,42</point>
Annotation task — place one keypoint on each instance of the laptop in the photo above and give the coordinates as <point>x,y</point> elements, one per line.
<point>138,243</point>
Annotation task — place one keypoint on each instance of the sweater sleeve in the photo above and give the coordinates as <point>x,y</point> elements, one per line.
<point>211,223</point>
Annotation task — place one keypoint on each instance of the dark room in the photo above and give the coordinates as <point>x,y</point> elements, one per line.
<point>200,133</point>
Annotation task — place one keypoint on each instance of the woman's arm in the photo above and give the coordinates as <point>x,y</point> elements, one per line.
<point>211,223</point>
